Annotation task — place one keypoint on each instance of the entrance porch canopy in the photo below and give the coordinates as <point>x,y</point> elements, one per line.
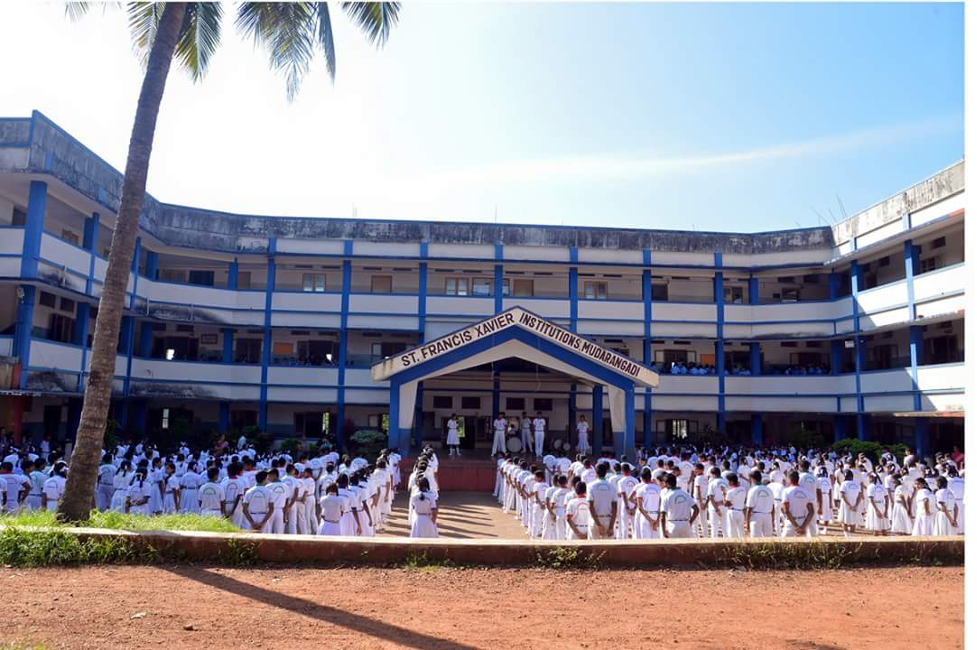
<point>516,332</point>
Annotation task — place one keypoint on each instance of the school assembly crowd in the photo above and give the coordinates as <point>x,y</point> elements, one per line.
<point>733,493</point>
<point>321,493</point>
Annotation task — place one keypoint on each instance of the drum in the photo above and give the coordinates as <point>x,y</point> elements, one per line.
<point>566,446</point>
<point>514,445</point>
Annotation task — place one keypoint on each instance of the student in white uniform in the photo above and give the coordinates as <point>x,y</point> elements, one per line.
<point>539,433</point>
<point>234,489</point>
<point>525,426</point>
<point>797,506</point>
<point>498,440</point>
<point>137,497</point>
<point>714,498</point>
<point>851,500</point>
<point>106,483</point>
<point>955,483</point>
<point>34,470</point>
<point>578,513</point>
<point>453,441</point>
<point>425,510</point>
<point>824,504</point>
<point>294,491</point>
<point>211,495</point>
<point>603,505</point>
<point>735,506</point>
<point>678,510</point>
<point>333,507</point>
<point>583,439</point>
<point>54,487</point>
<point>279,497</point>
<point>627,510</point>
<point>259,505</point>
<point>171,491</point>
<point>556,509</point>
<point>946,509</point>
<point>189,484</point>
<point>647,497</point>
<point>878,504</point>
<point>924,505</point>
<point>759,510</point>
<point>902,509</point>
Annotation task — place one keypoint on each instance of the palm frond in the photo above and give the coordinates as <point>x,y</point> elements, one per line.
<point>324,37</point>
<point>375,19</point>
<point>76,10</point>
<point>143,21</point>
<point>199,37</point>
<point>286,30</point>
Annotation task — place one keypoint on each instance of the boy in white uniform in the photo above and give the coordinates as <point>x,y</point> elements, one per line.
<point>106,483</point>
<point>211,495</point>
<point>279,498</point>
<point>625,502</point>
<point>647,497</point>
<point>259,505</point>
<point>539,433</point>
<point>578,513</point>
<point>716,495</point>
<point>54,487</point>
<point>525,425</point>
<point>234,489</point>
<point>498,441</point>
<point>678,510</point>
<point>797,506</point>
<point>735,503</point>
<point>759,507</point>
<point>603,505</point>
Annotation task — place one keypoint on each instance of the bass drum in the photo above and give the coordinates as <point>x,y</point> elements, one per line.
<point>514,445</point>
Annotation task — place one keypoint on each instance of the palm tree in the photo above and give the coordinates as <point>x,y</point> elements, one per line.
<point>292,33</point>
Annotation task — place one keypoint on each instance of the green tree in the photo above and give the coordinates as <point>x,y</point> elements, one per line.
<point>293,34</point>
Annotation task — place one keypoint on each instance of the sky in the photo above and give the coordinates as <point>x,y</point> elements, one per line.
<point>728,117</point>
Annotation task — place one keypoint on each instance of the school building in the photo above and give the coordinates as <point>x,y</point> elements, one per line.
<point>300,326</point>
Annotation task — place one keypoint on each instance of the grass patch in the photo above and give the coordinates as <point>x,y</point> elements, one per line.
<point>423,562</point>
<point>119,521</point>
<point>568,557</point>
<point>829,556</point>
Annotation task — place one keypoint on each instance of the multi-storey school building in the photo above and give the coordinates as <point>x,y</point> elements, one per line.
<point>239,320</point>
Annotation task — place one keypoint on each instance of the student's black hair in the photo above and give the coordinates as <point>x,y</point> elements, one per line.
<point>561,480</point>
<point>540,475</point>
<point>756,476</point>
<point>330,468</point>
<point>342,481</point>
<point>423,485</point>
<point>332,488</point>
<point>213,473</point>
<point>601,470</point>
<point>794,476</point>
<point>260,476</point>
<point>941,482</point>
<point>646,474</point>
<point>670,480</point>
<point>699,466</point>
<point>580,488</point>
<point>124,467</point>
<point>734,479</point>
<point>617,467</point>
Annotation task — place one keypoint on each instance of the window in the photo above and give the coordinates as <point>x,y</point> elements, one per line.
<point>316,352</point>
<point>659,292</point>
<point>515,403</point>
<point>595,290</point>
<point>929,264</point>
<point>733,295</point>
<point>456,286</point>
<point>242,419</point>
<point>244,280</point>
<point>518,287</point>
<point>314,282</point>
<point>786,279</point>
<point>173,275</point>
<point>69,236</point>
<point>939,242</point>
<point>48,300</point>
<point>248,350</point>
<point>473,403</point>
<point>68,305</point>
<point>790,295</point>
<point>542,404</point>
<point>812,279</point>
<point>19,217</point>
<point>381,284</point>
<point>166,419</point>
<point>481,287</point>
<point>61,328</point>
<point>444,402</point>
<point>942,349</point>
<point>387,349</point>
<point>677,429</point>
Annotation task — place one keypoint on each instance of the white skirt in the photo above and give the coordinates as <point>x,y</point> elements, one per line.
<point>423,526</point>
<point>847,515</point>
<point>943,525</point>
<point>453,437</point>
<point>901,523</point>
<point>329,528</point>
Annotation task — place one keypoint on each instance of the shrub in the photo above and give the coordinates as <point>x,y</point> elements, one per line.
<point>291,446</point>
<point>368,442</point>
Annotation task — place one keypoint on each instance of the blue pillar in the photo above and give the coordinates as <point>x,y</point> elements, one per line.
<point>145,339</point>
<point>266,342</point>
<point>33,228</point>
<point>856,284</point>
<point>754,291</point>
<point>152,264</point>
<point>82,316</point>
<point>128,335</point>
<point>597,416</point>
<point>628,423</point>
<point>756,429</point>
<point>573,289</point>
<point>922,435</point>
<point>224,417</point>
<point>834,282</point>
<point>498,278</point>
<point>418,428</point>
<point>228,342</point>
<point>343,352</point>
<point>720,349</point>
<point>232,272</point>
<point>837,356</point>
<point>135,272</point>
<point>74,419</point>
<point>90,243</point>
<point>916,360</point>
<point>422,329</point>
<point>756,363</point>
<point>840,426</point>
<point>125,331</point>
<point>22,330</point>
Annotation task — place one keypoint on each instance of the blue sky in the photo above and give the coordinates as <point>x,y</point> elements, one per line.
<point>717,117</point>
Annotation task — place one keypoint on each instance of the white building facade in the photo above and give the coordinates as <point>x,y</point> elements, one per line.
<point>237,321</point>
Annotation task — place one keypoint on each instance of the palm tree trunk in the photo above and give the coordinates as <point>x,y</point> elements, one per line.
<point>79,492</point>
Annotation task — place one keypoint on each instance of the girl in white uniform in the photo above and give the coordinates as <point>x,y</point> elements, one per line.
<point>453,441</point>
<point>924,504</point>
<point>878,504</point>
<point>425,511</point>
<point>825,513</point>
<point>902,513</point>
<point>946,509</point>
<point>333,508</point>
<point>137,498</point>
<point>583,444</point>
<point>171,491</point>
<point>851,500</point>
<point>123,477</point>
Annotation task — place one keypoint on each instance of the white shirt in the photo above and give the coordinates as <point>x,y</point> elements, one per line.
<point>258,500</point>
<point>649,496</point>
<point>760,499</point>
<point>797,501</point>
<point>539,425</point>
<point>211,495</point>
<point>499,425</point>
<point>602,494</point>
<point>677,505</point>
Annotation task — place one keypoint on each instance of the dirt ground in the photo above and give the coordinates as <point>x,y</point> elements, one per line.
<point>463,609</point>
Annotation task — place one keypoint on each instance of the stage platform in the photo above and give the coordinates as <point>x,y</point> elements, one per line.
<point>474,474</point>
